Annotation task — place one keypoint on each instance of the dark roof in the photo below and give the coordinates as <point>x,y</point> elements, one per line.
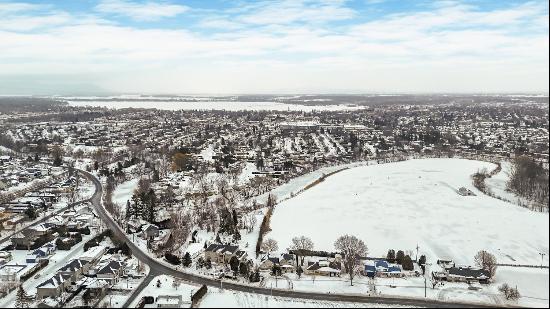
<point>54,281</point>
<point>110,268</point>
<point>73,266</point>
<point>469,272</point>
<point>222,248</point>
<point>313,266</point>
<point>274,260</point>
<point>288,257</point>
<point>240,253</point>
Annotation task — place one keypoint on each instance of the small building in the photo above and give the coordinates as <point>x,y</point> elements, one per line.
<point>468,274</point>
<point>53,287</point>
<point>324,268</point>
<point>169,301</point>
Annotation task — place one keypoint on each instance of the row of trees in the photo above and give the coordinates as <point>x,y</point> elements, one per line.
<point>529,179</point>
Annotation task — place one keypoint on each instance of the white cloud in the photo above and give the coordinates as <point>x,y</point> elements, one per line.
<point>143,11</point>
<point>14,7</point>
<point>451,48</point>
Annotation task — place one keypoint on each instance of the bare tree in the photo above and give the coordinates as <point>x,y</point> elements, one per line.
<point>352,250</point>
<point>270,245</point>
<point>180,228</point>
<point>487,261</point>
<point>509,292</point>
<point>300,245</point>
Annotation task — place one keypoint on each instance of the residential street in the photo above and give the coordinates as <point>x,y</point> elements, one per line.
<point>158,268</point>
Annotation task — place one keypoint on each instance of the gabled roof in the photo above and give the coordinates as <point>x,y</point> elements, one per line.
<point>111,268</point>
<point>469,272</point>
<point>73,266</point>
<point>222,248</point>
<point>53,282</point>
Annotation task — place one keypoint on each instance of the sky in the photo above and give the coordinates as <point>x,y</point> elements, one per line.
<point>95,47</point>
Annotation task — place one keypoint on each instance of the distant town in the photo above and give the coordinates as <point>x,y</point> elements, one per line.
<point>107,206</point>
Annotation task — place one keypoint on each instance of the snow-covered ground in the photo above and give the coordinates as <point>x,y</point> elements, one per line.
<point>213,105</point>
<point>532,283</point>
<point>124,192</point>
<point>167,287</point>
<point>216,298</point>
<point>399,205</point>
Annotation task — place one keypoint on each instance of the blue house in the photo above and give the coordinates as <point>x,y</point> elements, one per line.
<point>382,268</point>
<point>382,265</point>
<point>40,253</point>
<point>370,271</point>
<point>31,258</point>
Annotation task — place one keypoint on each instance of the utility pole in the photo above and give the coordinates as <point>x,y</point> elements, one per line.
<point>425,288</point>
<point>542,258</point>
<point>417,253</point>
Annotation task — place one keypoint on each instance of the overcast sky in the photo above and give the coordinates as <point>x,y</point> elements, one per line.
<point>274,46</point>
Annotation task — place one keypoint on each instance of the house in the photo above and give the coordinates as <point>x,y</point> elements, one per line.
<point>445,263</point>
<point>5,257</point>
<point>268,263</point>
<point>75,269</point>
<point>41,253</point>
<point>287,259</point>
<point>111,271</point>
<point>223,253</point>
<point>381,268</point>
<point>93,254</point>
<point>53,287</point>
<point>96,288</point>
<point>169,301</point>
<point>468,274</point>
<point>11,272</point>
<point>324,268</point>
<point>150,231</point>
<point>32,258</point>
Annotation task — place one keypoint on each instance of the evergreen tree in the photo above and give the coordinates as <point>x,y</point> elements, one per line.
<point>399,257</point>
<point>299,271</point>
<point>407,263</point>
<point>187,261</point>
<point>21,300</point>
<point>234,264</point>
<point>276,270</point>
<point>390,256</point>
<point>236,235</point>
<point>244,269</point>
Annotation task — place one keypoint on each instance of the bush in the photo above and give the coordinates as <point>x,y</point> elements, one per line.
<point>172,259</point>
<point>96,240</point>
<point>508,292</point>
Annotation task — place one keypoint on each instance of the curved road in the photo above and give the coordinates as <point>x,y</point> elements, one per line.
<point>160,268</point>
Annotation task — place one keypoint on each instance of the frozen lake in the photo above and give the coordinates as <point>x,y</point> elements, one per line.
<point>211,105</point>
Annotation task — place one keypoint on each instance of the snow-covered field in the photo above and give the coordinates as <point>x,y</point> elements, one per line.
<point>213,105</point>
<point>124,192</point>
<point>216,298</point>
<point>399,205</point>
